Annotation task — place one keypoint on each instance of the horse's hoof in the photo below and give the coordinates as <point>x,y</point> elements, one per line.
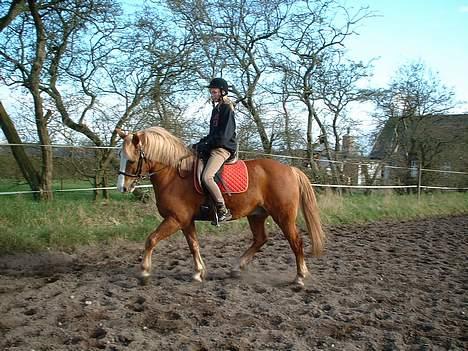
<point>235,273</point>
<point>144,278</point>
<point>299,283</point>
<point>197,277</point>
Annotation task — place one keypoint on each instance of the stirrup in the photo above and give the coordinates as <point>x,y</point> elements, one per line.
<point>225,215</point>
<point>221,215</point>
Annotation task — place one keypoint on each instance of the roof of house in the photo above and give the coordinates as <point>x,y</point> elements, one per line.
<point>453,127</point>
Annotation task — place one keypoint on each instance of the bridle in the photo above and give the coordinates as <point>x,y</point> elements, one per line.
<point>138,174</point>
<point>141,160</point>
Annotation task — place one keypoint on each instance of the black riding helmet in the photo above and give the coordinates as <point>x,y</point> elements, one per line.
<point>219,83</point>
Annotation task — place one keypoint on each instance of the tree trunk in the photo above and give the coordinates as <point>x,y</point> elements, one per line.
<point>46,150</point>
<point>103,162</point>
<point>95,186</point>
<point>16,7</point>
<point>310,141</point>
<point>266,144</point>
<point>100,181</point>
<point>105,183</point>
<point>287,128</point>
<point>33,85</point>
<point>334,172</point>
<point>24,163</point>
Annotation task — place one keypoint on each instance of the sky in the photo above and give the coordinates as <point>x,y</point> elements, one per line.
<point>403,31</point>
<point>434,32</point>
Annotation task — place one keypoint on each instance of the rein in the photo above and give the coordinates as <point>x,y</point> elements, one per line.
<point>142,159</point>
<point>138,174</point>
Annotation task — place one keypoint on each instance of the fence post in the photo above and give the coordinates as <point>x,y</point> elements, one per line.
<point>419,180</point>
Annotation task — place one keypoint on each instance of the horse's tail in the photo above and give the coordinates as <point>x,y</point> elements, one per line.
<point>311,212</point>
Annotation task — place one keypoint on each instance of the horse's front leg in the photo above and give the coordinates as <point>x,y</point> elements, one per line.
<point>167,227</point>
<point>192,241</point>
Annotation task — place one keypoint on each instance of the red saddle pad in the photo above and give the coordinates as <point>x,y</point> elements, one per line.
<point>234,175</point>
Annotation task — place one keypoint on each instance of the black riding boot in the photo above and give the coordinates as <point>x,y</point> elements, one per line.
<point>223,212</point>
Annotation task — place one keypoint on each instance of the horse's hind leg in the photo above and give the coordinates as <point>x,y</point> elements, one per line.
<point>167,227</point>
<point>192,241</point>
<point>288,227</point>
<point>257,225</point>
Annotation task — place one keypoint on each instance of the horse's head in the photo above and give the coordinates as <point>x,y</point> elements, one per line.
<point>133,165</point>
<point>142,151</point>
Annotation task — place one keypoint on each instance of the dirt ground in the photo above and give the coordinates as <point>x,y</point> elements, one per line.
<point>381,286</point>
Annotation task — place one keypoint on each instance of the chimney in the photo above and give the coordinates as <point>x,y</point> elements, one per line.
<point>348,143</point>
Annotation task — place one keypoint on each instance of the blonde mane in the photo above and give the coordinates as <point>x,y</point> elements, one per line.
<point>161,146</point>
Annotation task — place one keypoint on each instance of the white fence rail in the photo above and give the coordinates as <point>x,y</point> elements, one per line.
<point>315,185</point>
<point>415,186</point>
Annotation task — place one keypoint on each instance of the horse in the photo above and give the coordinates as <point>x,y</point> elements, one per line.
<point>275,190</point>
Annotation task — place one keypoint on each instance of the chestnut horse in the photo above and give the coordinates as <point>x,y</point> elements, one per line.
<point>275,190</point>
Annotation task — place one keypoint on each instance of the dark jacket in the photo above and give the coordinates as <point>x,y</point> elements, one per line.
<point>222,130</point>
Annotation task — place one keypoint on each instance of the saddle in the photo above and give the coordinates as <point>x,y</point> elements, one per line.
<point>232,178</point>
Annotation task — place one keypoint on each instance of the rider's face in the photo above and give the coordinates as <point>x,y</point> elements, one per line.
<point>215,94</point>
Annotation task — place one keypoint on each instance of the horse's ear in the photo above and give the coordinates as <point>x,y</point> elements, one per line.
<point>135,140</point>
<point>121,133</point>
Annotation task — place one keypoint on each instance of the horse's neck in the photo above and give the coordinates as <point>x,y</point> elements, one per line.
<point>186,164</point>
<point>167,180</point>
<point>165,174</point>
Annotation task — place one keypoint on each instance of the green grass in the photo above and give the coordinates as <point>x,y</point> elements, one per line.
<point>359,208</point>
<point>65,223</point>
<point>71,220</point>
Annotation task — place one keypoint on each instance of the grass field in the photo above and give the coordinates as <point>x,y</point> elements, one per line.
<point>72,219</point>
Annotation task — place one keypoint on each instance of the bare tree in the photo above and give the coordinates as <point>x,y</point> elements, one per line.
<point>29,172</point>
<point>14,9</point>
<point>287,126</point>
<point>69,51</point>
<point>407,111</point>
<point>167,53</point>
<point>94,72</point>
<point>316,33</point>
<point>140,67</point>
<point>29,61</point>
<point>234,39</point>
<point>337,88</point>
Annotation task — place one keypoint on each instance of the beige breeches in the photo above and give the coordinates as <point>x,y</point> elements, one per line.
<point>217,158</point>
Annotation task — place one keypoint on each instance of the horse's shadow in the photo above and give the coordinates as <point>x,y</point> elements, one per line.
<point>225,277</point>
<point>53,266</point>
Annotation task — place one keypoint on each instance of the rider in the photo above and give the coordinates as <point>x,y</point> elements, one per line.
<point>220,144</point>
